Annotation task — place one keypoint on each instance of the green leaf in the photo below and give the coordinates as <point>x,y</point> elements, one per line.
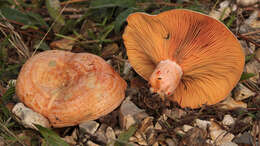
<point>249,57</point>
<point>53,7</point>
<point>28,19</point>
<point>43,46</point>
<point>124,137</point>
<point>231,20</point>
<point>112,3</point>
<point>37,19</point>
<point>8,94</point>
<point>121,18</point>
<point>51,138</point>
<point>15,15</point>
<point>107,30</point>
<point>5,111</point>
<point>246,76</point>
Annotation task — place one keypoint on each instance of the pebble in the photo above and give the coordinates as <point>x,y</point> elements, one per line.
<point>89,127</point>
<point>28,117</point>
<point>228,120</point>
<point>130,114</point>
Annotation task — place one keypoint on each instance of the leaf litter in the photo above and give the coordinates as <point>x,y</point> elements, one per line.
<point>97,27</point>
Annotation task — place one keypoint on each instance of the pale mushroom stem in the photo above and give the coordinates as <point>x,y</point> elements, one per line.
<point>165,78</point>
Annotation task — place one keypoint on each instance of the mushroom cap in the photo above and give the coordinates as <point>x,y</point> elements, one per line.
<point>69,88</point>
<point>209,54</point>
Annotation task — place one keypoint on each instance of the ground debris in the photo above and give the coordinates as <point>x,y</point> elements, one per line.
<point>218,135</point>
<point>28,117</point>
<point>90,143</point>
<point>228,120</point>
<point>130,114</point>
<point>89,127</point>
<point>230,104</point>
<point>241,92</point>
<point>224,11</point>
<point>110,134</point>
<point>245,138</point>
<point>195,137</point>
<point>246,3</point>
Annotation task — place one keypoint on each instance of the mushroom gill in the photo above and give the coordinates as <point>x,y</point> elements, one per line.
<point>186,56</point>
<point>69,88</point>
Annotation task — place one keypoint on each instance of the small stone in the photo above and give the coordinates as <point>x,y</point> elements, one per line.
<point>179,131</point>
<point>70,140</point>
<point>253,67</point>
<point>110,134</point>
<point>228,120</point>
<point>219,135</point>
<point>28,117</point>
<point>175,113</point>
<point>228,143</point>
<point>101,133</point>
<point>129,120</point>
<point>230,104</point>
<point>158,126</point>
<point>245,138</point>
<point>186,128</point>
<point>90,143</point>
<point>241,92</point>
<point>89,127</point>
<point>170,142</point>
<point>195,136</point>
<point>203,124</point>
<point>246,3</point>
<point>130,114</point>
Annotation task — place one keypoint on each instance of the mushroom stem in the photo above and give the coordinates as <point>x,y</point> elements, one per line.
<point>165,78</point>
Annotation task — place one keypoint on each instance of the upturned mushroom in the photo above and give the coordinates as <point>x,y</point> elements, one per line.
<point>186,56</point>
<point>69,88</point>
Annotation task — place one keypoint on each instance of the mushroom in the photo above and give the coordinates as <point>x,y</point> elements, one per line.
<point>69,88</point>
<point>186,56</point>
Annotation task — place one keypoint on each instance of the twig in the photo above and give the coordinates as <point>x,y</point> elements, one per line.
<point>11,133</point>
<point>38,46</point>
<point>119,59</point>
<point>16,39</point>
<point>158,3</point>
<point>250,33</point>
<point>248,39</point>
<point>72,1</point>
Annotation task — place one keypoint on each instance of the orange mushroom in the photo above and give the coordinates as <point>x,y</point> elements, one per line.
<point>187,56</point>
<point>69,88</point>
